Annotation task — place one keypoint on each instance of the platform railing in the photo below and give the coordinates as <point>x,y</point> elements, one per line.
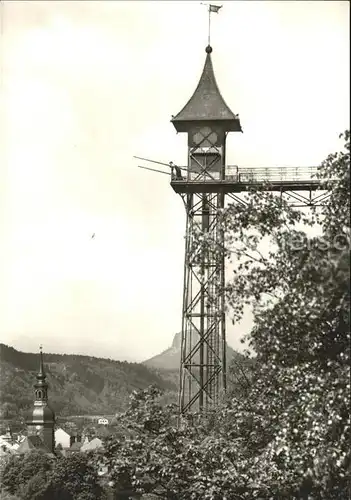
<point>236,174</point>
<point>261,174</point>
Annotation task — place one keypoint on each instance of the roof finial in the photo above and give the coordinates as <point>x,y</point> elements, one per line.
<point>41,363</point>
<point>211,8</point>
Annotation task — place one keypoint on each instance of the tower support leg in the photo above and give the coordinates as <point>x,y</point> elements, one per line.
<point>203,347</point>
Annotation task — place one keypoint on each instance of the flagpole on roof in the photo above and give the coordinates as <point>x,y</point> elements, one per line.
<point>209,25</point>
<point>211,8</point>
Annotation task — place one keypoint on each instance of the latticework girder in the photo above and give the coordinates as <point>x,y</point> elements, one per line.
<point>203,368</point>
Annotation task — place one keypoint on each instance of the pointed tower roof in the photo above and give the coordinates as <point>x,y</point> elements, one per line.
<point>41,375</point>
<point>41,411</point>
<point>207,103</point>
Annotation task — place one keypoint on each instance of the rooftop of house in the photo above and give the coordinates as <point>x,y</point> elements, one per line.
<point>76,446</point>
<point>94,444</point>
<point>32,443</point>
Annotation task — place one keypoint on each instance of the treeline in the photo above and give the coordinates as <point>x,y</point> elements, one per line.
<point>78,384</point>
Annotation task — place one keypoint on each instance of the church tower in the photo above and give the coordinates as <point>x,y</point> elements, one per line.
<point>40,420</point>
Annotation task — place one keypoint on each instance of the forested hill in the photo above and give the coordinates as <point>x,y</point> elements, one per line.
<point>77,384</point>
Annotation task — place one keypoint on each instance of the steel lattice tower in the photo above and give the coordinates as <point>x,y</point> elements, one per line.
<point>207,120</point>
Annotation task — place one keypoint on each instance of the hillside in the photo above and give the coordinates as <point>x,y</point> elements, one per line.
<point>78,384</point>
<point>170,358</point>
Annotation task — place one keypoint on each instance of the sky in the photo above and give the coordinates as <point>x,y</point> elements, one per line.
<point>85,86</point>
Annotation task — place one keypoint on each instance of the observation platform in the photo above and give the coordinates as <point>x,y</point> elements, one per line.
<point>239,179</point>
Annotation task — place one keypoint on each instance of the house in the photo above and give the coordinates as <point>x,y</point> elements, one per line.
<point>6,448</point>
<point>65,439</point>
<point>86,440</point>
<point>94,444</point>
<point>62,438</point>
<point>7,437</point>
<point>20,438</point>
<point>102,421</point>
<point>75,448</point>
<point>8,443</point>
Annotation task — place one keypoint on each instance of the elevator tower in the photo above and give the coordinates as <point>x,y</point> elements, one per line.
<point>206,119</point>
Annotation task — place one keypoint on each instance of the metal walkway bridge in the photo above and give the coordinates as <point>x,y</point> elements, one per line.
<point>237,179</point>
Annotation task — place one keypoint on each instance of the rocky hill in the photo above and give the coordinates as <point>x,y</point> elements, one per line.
<point>169,359</point>
<point>78,384</point>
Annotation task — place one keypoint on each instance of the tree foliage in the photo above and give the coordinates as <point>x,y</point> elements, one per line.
<point>37,476</point>
<point>19,470</point>
<point>300,294</point>
<point>286,434</point>
<point>173,462</point>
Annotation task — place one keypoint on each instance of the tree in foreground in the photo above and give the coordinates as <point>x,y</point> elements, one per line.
<point>287,434</point>
<point>300,294</point>
<point>19,470</point>
<point>37,476</point>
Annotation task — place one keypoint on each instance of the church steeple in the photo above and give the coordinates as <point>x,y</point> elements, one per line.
<point>41,364</point>
<point>41,386</point>
<point>41,419</point>
<point>207,104</point>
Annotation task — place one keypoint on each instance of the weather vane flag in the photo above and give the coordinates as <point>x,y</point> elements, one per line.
<point>211,8</point>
